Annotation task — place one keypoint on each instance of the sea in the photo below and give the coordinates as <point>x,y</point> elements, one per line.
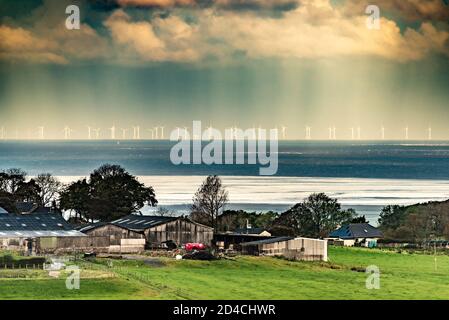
<point>363,175</point>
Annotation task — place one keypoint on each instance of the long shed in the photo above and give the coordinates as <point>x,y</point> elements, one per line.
<point>294,248</point>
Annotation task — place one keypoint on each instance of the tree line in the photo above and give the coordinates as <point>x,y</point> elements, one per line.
<point>316,216</point>
<point>110,192</point>
<point>16,187</point>
<point>416,223</point>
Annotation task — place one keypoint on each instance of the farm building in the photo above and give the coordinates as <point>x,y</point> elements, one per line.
<point>32,208</point>
<point>293,248</point>
<point>232,241</point>
<point>21,232</point>
<point>114,232</point>
<point>356,234</point>
<point>156,230</point>
<point>253,231</point>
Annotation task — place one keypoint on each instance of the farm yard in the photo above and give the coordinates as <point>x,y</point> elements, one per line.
<point>403,276</point>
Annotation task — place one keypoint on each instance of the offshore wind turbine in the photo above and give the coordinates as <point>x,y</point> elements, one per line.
<point>209,132</point>
<point>429,133</point>
<point>41,132</point>
<point>333,133</point>
<point>253,131</point>
<point>284,129</point>
<point>382,132</point>
<point>112,129</point>
<point>152,133</point>
<point>67,132</point>
<point>97,133</point>
<point>124,130</point>
<point>89,132</point>
<point>2,133</point>
<point>136,133</point>
<point>162,132</point>
<point>308,133</point>
<point>157,133</point>
<point>406,133</point>
<point>259,132</point>
<point>352,133</point>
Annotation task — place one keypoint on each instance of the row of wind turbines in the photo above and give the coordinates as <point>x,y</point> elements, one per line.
<point>356,133</point>
<point>157,132</point>
<point>114,133</point>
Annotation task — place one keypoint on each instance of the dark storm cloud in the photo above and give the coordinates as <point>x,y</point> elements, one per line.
<point>231,5</point>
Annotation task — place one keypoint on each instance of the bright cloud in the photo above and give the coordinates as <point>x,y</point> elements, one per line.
<point>315,29</point>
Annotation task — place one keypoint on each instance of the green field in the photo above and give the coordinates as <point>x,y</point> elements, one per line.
<point>403,276</point>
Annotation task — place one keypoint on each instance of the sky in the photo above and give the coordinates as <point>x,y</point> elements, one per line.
<point>244,63</point>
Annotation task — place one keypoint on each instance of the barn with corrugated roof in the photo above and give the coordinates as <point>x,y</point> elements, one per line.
<point>19,232</point>
<point>157,230</point>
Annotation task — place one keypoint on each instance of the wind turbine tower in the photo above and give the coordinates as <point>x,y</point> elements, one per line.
<point>136,133</point>
<point>89,132</point>
<point>41,132</point>
<point>124,130</point>
<point>429,133</point>
<point>352,133</point>
<point>97,133</point>
<point>112,132</point>
<point>67,132</point>
<point>308,133</point>
<point>406,133</point>
<point>284,129</point>
<point>2,133</point>
<point>162,133</point>
<point>382,132</point>
<point>152,133</point>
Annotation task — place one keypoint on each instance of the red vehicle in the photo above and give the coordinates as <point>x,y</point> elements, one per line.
<point>194,246</point>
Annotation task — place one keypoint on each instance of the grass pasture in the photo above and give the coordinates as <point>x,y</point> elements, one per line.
<point>403,276</point>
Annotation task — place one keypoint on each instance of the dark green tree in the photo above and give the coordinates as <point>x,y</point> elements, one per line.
<point>110,193</point>
<point>28,192</point>
<point>76,197</point>
<point>315,217</point>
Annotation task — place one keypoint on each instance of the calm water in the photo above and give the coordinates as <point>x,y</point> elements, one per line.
<point>363,175</point>
<point>390,160</point>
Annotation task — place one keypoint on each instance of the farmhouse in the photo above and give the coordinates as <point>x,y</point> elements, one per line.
<point>156,230</point>
<point>356,234</point>
<point>293,248</point>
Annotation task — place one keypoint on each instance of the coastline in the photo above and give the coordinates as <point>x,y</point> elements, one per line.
<point>256,193</point>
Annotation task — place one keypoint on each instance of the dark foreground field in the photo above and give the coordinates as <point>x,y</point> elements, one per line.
<point>403,276</point>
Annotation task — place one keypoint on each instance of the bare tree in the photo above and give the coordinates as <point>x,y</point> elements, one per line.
<point>210,199</point>
<point>11,179</point>
<point>164,212</point>
<point>50,187</point>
